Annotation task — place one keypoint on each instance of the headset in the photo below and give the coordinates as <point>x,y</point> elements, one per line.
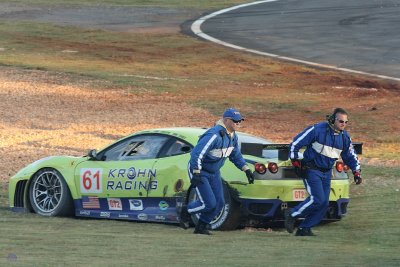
<point>332,117</point>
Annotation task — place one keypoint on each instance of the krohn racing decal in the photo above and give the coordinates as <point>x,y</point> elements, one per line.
<point>131,173</point>
<point>124,179</point>
<point>131,185</point>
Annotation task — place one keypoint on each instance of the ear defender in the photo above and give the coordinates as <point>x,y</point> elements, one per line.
<point>332,117</point>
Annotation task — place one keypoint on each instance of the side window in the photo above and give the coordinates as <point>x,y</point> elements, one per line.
<point>137,147</point>
<point>178,148</point>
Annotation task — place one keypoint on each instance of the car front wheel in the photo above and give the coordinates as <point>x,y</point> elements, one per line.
<point>49,194</point>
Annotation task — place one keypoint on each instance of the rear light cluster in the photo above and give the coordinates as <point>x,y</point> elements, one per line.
<point>261,168</point>
<point>340,167</point>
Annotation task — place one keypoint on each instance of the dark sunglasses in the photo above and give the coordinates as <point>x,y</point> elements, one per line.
<point>342,121</point>
<point>236,121</point>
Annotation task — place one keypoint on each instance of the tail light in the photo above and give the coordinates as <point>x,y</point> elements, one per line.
<point>340,166</point>
<point>261,168</point>
<point>346,168</point>
<point>273,167</point>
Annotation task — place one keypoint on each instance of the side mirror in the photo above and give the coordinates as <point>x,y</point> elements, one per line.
<point>92,154</point>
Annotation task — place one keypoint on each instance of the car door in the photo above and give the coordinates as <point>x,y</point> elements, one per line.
<point>172,180</point>
<point>123,171</point>
<point>172,170</point>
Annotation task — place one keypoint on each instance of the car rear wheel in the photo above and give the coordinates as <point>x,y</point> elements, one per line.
<point>49,194</point>
<point>228,218</point>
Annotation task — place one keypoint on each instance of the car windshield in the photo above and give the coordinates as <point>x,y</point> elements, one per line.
<point>268,154</point>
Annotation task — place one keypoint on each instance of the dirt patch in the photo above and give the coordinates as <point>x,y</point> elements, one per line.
<point>43,115</point>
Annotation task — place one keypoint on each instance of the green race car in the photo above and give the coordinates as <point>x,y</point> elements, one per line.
<point>144,177</point>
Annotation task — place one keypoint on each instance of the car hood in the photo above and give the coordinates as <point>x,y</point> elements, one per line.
<point>58,162</point>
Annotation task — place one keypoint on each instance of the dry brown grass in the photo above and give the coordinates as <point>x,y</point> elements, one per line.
<point>44,114</point>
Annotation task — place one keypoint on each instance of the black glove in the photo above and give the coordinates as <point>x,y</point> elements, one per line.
<point>357,177</point>
<point>297,167</point>
<point>250,176</point>
<point>196,180</point>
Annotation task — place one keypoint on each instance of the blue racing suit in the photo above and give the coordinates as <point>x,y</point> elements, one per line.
<point>324,146</point>
<point>207,157</point>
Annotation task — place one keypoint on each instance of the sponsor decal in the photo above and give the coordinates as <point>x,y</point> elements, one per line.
<point>222,218</point>
<point>135,204</point>
<point>163,205</point>
<point>89,202</point>
<point>159,218</point>
<point>131,173</point>
<point>123,216</point>
<point>91,180</point>
<point>105,214</point>
<point>84,212</point>
<point>131,185</point>
<point>299,194</point>
<point>178,187</point>
<point>142,216</point>
<point>114,203</point>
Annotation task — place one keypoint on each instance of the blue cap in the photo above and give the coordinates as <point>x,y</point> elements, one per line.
<point>233,114</point>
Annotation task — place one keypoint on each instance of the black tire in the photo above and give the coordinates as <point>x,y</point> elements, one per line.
<point>49,194</point>
<point>228,219</point>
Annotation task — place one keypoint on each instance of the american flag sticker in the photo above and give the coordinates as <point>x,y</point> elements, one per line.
<point>90,202</point>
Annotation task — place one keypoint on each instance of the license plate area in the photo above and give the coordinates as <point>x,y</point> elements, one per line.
<point>299,194</point>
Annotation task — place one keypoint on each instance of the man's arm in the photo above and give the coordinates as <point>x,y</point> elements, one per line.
<point>350,158</point>
<point>304,138</point>
<point>200,150</point>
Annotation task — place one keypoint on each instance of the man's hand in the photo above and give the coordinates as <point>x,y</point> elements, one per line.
<point>250,176</point>
<point>357,177</point>
<point>297,167</point>
<point>196,179</point>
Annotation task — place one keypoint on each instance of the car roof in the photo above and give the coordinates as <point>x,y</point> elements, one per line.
<point>190,134</point>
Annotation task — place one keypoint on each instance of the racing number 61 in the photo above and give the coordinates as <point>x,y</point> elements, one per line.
<point>91,180</point>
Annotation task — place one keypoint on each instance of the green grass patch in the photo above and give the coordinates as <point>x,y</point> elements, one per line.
<point>368,236</point>
<point>150,3</point>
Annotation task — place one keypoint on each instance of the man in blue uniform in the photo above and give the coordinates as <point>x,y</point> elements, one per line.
<point>325,142</point>
<point>207,157</point>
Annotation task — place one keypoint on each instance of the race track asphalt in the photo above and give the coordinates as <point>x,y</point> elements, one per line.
<point>359,35</point>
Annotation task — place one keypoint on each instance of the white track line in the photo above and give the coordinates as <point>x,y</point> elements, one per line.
<point>196,29</point>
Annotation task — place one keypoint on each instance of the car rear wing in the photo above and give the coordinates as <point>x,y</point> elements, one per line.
<point>256,149</point>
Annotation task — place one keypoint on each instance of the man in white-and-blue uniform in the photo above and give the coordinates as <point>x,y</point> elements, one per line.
<point>207,157</point>
<point>325,142</point>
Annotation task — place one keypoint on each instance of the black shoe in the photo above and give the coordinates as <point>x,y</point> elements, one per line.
<point>184,217</point>
<point>201,228</point>
<point>304,232</point>
<point>289,221</point>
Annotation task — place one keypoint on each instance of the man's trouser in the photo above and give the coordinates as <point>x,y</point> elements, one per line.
<point>315,206</point>
<point>210,197</point>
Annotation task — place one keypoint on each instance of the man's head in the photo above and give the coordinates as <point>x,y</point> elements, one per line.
<point>338,119</point>
<point>232,118</point>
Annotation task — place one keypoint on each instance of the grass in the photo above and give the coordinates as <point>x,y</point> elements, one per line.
<point>368,236</point>
<point>157,3</point>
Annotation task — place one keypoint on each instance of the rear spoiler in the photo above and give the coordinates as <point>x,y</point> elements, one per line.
<point>256,149</point>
